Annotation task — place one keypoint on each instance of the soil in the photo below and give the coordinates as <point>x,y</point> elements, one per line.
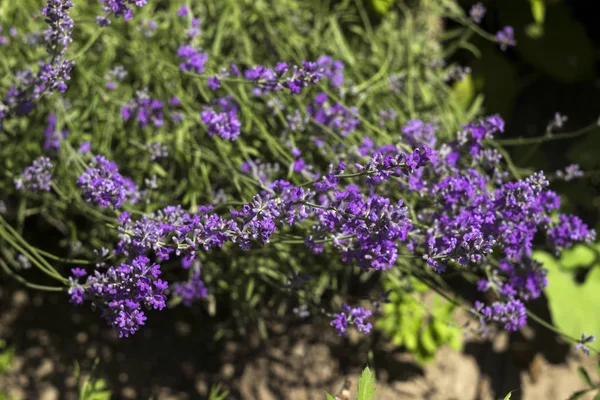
<point>177,357</point>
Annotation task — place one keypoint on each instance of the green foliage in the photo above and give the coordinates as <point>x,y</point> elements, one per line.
<point>7,356</point>
<point>217,393</point>
<point>382,6</point>
<point>421,328</point>
<point>93,388</point>
<point>588,381</point>
<point>573,305</point>
<point>366,385</point>
<point>245,285</point>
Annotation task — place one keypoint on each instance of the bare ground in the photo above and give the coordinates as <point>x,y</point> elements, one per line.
<point>176,357</point>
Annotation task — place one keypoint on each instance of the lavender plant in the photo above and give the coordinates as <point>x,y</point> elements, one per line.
<point>230,164</point>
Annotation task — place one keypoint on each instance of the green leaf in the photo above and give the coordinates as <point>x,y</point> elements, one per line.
<point>366,385</point>
<point>579,394</point>
<point>573,305</point>
<point>508,396</point>
<point>535,31</point>
<point>427,341</point>
<point>584,376</point>
<point>329,397</point>
<point>538,10</point>
<point>382,6</point>
<point>464,91</point>
<point>578,257</point>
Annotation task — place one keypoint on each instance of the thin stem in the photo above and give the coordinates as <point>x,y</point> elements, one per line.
<point>547,138</point>
<point>23,281</point>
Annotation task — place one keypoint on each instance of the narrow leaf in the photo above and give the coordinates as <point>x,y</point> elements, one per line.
<point>584,376</point>
<point>578,395</point>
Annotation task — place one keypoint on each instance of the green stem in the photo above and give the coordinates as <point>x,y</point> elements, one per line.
<point>23,281</point>
<point>547,138</point>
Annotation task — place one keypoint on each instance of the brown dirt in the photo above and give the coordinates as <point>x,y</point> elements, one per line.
<point>176,357</point>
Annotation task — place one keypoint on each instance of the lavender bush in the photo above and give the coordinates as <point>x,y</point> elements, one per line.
<point>201,156</point>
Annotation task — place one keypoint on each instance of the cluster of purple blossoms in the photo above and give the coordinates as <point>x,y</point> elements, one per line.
<point>366,230</point>
<point>293,78</point>
<point>476,213</point>
<point>52,75</point>
<point>191,290</point>
<point>506,37</point>
<point>145,109</point>
<point>332,69</point>
<point>183,11</point>
<point>194,59</point>
<point>511,313</point>
<point>36,177</point>
<point>477,12</point>
<point>568,230</point>
<point>104,186</point>
<point>376,223</point>
<point>120,293</point>
<point>118,8</point>
<point>60,25</point>
<point>357,316</point>
<point>52,137</point>
<point>571,172</point>
<point>336,117</point>
<point>221,119</point>
<point>194,29</point>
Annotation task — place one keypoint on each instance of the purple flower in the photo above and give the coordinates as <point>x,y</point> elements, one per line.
<point>568,230</point>
<point>333,70</point>
<point>512,313</point>
<point>477,12</point>
<point>506,37</point>
<point>571,172</point>
<point>85,147</point>
<point>354,316</point>
<point>36,177</point>
<point>103,185</point>
<point>581,344</point>
<point>120,292</point>
<point>190,290</point>
<point>183,11</point>
<point>118,9</point>
<point>214,82</point>
<point>52,136</point>
<point>145,109</point>
<point>221,119</point>
<point>333,116</point>
<point>293,78</point>
<point>60,24</point>
<point>194,59</point>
